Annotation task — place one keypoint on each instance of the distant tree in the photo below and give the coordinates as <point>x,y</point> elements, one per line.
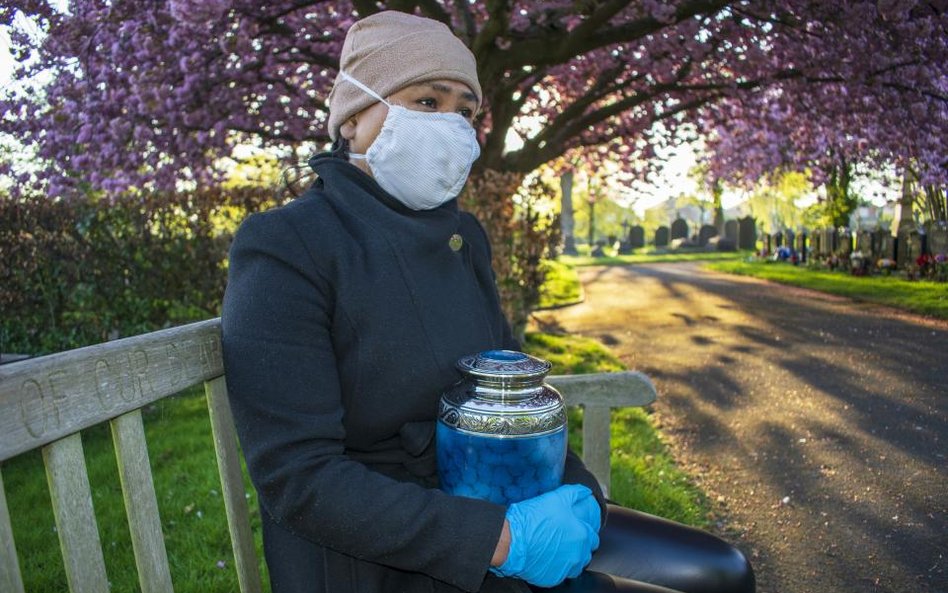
<point>840,200</point>
<point>600,214</point>
<point>778,202</point>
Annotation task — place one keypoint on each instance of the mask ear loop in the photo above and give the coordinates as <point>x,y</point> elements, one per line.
<point>345,76</point>
<point>366,89</point>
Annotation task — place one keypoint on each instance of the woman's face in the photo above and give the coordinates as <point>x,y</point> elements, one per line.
<point>444,96</point>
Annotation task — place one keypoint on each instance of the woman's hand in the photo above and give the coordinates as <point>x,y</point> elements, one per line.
<point>503,546</point>
<point>550,537</point>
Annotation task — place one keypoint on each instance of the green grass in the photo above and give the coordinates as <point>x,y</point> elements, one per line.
<point>644,477</point>
<point>644,474</point>
<point>651,256</point>
<point>926,298</point>
<point>561,286</point>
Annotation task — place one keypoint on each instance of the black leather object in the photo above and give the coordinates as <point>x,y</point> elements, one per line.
<point>641,553</point>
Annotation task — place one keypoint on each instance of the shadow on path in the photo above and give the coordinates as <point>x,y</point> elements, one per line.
<point>819,423</point>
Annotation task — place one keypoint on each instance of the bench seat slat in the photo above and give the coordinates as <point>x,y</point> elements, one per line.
<point>232,485</point>
<point>75,517</point>
<point>141,504</point>
<point>10,578</point>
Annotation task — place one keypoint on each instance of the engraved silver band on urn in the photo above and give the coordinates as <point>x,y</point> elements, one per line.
<point>503,395</point>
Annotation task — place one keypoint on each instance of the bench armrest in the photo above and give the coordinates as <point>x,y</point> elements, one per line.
<point>598,393</point>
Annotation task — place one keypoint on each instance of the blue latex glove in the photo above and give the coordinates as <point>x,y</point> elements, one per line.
<point>552,536</point>
<point>587,510</point>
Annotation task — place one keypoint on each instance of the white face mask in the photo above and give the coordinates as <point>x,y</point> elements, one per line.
<point>421,158</point>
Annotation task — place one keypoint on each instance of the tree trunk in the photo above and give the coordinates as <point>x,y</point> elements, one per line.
<point>592,224</point>
<point>567,224</point>
<point>840,202</point>
<point>518,243</point>
<point>716,193</point>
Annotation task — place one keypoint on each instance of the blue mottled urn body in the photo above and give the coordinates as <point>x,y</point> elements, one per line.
<point>501,432</point>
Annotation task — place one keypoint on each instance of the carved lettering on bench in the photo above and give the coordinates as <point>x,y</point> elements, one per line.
<point>39,409</point>
<point>128,381</point>
<point>105,383</point>
<point>175,371</point>
<point>137,374</point>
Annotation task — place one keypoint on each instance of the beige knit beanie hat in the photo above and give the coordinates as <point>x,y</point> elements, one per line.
<point>390,50</point>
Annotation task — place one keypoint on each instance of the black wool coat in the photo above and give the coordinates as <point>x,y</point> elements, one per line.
<point>342,320</point>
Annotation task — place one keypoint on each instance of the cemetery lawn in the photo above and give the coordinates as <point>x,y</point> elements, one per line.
<point>653,256</point>
<point>561,286</point>
<point>923,297</point>
<point>177,429</point>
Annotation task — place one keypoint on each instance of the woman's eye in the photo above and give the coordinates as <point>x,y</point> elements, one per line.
<point>429,102</point>
<point>466,113</point>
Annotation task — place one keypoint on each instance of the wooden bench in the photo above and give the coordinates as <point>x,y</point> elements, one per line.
<point>46,401</point>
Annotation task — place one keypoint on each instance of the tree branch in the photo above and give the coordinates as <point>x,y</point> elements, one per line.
<point>434,10</point>
<point>467,17</point>
<point>365,7</point>
<point>574,118</point>
<point>561,47</point>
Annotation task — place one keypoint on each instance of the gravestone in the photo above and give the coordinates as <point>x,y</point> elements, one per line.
<point>908,247</point>
<point>778,239</point>
<point>679,229</point>
<point>768,245</point>
<point>816,240</point>
<point>705,233</point>
<point>864,243</point>
<point>661,236</point>
<point>883,245</point>
<point>789,238</point>
<point>597,250</point>
<point>844,242</point>
<point>800,246</point>
<point>937,238</point>
<point>747,233</point>
<point>624,247</point>
<point>730,231</point>
<point>637,237</point>
<point>719,243</point>
<point>828,244</point>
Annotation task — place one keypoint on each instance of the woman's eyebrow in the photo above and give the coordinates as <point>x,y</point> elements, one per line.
<point>443,88</point>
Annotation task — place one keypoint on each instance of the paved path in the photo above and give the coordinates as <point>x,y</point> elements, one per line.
<point>818,425</point>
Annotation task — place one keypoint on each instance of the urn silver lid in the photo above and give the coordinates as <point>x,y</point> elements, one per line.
<point>503,395</point>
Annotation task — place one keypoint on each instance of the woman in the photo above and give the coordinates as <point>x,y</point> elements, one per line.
<point>344,314</point>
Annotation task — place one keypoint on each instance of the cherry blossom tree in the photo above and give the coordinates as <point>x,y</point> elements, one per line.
<point>155,92</point>
<point>147,94</point>
<point>875,93</point>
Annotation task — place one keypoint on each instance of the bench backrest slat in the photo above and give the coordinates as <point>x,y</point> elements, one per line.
<point>10,578</point>
<point>47,398</point>
<point>141,504</point>
<point>232,486</point>
<point>75,518</point>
